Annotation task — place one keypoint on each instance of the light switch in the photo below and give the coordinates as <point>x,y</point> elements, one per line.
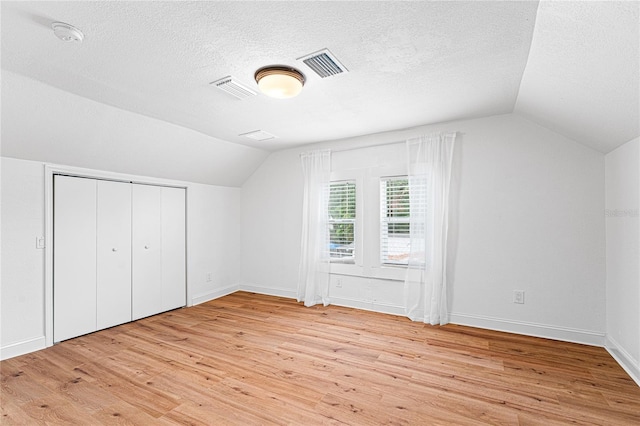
<point>40,242</point>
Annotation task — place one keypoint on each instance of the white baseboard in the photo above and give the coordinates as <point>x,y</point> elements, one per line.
<point>622,357</point>
<point>269,291</point>
<point>21,348</point>
<point>205,297</point>
<point>565,334</point>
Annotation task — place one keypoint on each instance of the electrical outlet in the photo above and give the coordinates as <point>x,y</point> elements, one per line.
<point>209,277</point>
<point>339,283</point>
<point>518,296</point>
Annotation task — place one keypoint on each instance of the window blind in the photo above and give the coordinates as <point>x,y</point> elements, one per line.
<point>394,220</point>
<point>342,220</point>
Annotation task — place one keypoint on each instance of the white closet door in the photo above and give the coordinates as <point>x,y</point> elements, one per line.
<point>173,248</point>
<point>146,249</point>
<point>113,254</point>
<point>74,267</point>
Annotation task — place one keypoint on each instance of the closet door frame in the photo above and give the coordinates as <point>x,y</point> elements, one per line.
<point>49,171</point>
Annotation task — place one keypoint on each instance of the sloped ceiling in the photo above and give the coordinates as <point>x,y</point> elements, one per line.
<point>582,79</point>
<point>570,66</point>
<point>46,124</point>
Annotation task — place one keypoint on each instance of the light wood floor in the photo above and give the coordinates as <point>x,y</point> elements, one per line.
<point>249,359</point>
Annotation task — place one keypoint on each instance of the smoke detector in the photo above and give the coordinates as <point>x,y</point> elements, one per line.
<point>67,33</point>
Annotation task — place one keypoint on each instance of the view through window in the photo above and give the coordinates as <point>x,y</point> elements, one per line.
<point>342,220</point>
<point>394,220</point>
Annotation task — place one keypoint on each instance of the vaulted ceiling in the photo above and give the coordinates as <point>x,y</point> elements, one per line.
<point>570,66</point>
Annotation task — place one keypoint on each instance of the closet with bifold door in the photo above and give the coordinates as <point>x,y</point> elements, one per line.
<point>119,253</point>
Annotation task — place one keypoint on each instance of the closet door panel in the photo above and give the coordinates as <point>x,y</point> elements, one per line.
<point>113,253</point>
<point>173,248</point>
<point>74,267</point>
<point>146,249</point>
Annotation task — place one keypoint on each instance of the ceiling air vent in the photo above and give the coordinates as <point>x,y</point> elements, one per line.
<point>233,87</point>
<point>324,63</point>
<point>258,135</point>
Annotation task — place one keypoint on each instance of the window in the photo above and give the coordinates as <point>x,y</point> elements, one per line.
<point>342,221</point>
<point>394,220</point>
<point>369,222</point>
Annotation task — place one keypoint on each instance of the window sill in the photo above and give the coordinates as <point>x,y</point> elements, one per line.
<point>386,272</point>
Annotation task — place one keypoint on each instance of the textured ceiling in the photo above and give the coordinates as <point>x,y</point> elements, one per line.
<point>410,63</point>
<point>582,79</point>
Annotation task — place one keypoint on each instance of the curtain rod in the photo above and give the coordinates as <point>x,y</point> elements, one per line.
<point>352,149</point>
<point>367,146</point>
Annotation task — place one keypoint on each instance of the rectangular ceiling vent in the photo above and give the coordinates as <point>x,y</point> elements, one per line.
<point>324,63</point>
<point>233,87</point>
<point>258,135</point>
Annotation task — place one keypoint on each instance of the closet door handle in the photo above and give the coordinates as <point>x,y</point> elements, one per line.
<point>114,249</point>
<point>146,247</point>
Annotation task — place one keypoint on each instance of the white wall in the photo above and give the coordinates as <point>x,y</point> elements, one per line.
<point>623,255</point>
<point>213,221</point>
<point>529,218</point>
<point>213,213</point>
<point>22,265</point>
<point>271,221</point>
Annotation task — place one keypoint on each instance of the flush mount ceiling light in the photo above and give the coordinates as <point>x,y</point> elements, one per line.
<point>279,81</point>
<point>67,33</point>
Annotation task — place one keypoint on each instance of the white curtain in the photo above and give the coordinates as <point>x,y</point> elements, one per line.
<point>430,164</point>
<point>313,281</point>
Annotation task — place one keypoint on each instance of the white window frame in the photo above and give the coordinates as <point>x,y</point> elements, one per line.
<point>355,268</point>
<point>379,269</point>
<point>383,207</point>
<point>333,222</point>
<point>367,227</point>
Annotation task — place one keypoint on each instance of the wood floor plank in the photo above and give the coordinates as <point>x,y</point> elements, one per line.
<point>55,410</point>
<point>249,359</point>
<point>124,414</point>
<point>11,414</point>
